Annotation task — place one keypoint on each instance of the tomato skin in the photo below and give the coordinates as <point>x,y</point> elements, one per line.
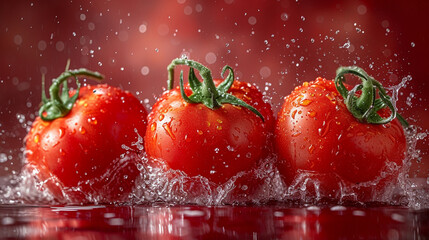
<point>84,148</point>
<point>315,132</point>
<point>216,144</point>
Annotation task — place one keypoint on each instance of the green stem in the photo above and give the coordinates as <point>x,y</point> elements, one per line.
<point>366,106</point>
<point>59,106</point>
<point>206,92</point>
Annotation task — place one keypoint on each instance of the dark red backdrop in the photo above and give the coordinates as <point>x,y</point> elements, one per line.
<point>274,44</point>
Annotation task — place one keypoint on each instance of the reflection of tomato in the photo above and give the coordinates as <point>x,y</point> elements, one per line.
<point>316,133</point>
<point>83,151</point>
<point>214,143</point>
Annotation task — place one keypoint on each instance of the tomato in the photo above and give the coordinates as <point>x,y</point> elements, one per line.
<point>90,152</point>
<point>209,138</point>
<point>317,135</point>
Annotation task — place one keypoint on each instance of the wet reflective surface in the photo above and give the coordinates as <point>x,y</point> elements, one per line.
<point>277,221</point>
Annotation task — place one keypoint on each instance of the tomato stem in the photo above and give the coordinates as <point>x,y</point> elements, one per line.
<point>206,92</point>
<point>366,106</point>
<point>59,106</point>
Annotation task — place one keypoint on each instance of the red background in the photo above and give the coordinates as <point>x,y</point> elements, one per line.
<point>274,44</point>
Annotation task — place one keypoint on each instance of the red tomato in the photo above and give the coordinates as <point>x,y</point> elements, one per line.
<point>82,155</point>
<point>214,143</point>
<point>316,134</point>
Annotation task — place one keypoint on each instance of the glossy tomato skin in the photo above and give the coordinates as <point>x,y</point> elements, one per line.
<point>216,144</point>
<point>83,149</point>
<point>316,133</point>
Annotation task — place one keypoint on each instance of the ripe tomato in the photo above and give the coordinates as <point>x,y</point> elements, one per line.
<point>210,139</point>
<point>89,153</point>
<point>317,134</point>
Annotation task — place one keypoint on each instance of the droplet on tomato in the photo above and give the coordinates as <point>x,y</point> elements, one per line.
<point>295,134</point>
<point>168,130</point>
<point>153,127</point>
<point>293,114</point>
<point>161,117</point>
<point>61,132</point>
<point>199,132</point>
<point>92,120</point>
<point>305,102</point>
<point>311,149</point>
<point>82,130</point>
<point>324,130</point>
<point>36,138</point>
<point>312,114</point>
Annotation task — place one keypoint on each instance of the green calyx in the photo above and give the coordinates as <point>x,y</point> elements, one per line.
<point>206,92</point>
<point>60,105</point>
<point>366,106</point>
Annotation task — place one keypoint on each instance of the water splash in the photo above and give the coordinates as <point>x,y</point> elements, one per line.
<point>156,183</point>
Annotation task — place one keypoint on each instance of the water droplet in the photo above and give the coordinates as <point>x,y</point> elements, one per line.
<point>413,44</point>
<point>312,114</point>
<point>284,16</point>
<point>82,130</point>
<point>61,132</point>
<point>295,134</point>
<point>219,127</point>
<point>153,127</point>
<point>36,138</point>
<point>199,132</point>
<point>311,149</point>
<point>293,114</point>
<point>167,128</point>
<point>305,102</point>
<point>3,157</point>
<point>161,117</point>
<point>93,120</point>
<point>325,129</point>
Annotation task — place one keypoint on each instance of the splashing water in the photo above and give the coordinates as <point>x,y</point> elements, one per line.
<point>257,186</point>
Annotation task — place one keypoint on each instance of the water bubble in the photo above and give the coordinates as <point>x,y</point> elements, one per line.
<point>198,8</point>
<point>413,44</point>
<point>3,157</point>
<point>361,9</point>
<point>187,10</point>
<point>144,70</point>
<point>91,26</point>
<point>284,16</point>
<point>143,28</point>
<point>252,20</point>
<point>41,45</point>
<point>210,58</point>
<point>17,39</point>
<point>59,46</point>
<point>265,72</point>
